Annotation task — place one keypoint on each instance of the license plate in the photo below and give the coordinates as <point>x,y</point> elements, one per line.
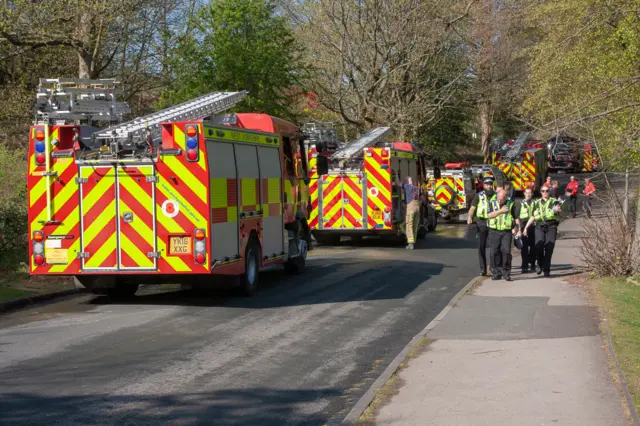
<point>179,245</point>
<point>57,256</point>
<point>377,215</point>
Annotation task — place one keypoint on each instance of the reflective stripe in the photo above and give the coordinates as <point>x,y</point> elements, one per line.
<point>503,222</point>
<point>544,212</point>
<point>526,209</point>
<point>482,211</point>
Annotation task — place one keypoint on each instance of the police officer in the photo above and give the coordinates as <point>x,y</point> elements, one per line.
<point>480,207</point>
<point>528,249</point>
<point>545,215</point>
<point>501,229</point>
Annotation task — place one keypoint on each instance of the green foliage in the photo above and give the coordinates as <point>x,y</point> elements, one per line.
<point>584,74</point>
<point>238,45</point>
<point>13,208</point>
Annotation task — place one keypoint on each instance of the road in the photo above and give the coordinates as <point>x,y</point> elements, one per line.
<point>302,351</point>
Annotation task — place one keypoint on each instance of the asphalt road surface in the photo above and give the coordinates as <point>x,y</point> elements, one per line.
<point>302,351</point>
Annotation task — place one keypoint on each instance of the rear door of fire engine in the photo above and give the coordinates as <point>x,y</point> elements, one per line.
<point>342,201</point>
<point>118,218</point>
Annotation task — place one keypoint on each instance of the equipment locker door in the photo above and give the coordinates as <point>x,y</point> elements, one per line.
<point>330,190</point>
<point>136,217</point>
<point>352,202</point>
<point>98,213</point>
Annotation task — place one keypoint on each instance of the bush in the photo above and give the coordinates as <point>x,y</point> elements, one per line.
<point>610,248</point>
<point>13,208</point>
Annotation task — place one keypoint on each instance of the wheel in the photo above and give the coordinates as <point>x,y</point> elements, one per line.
<point>249,281</point>
<point>295,265</point>
<point>422,233</point>
<point>432,223</point>
<point>327,239</point>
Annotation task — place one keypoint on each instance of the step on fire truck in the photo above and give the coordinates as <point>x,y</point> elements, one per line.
<point>356,192</point>
<point>524,163</point>
<point>451,194</point>
<point>164,197</point>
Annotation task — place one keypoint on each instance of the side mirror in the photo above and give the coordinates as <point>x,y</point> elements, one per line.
<point>322,165</point>
<point>320,147</point>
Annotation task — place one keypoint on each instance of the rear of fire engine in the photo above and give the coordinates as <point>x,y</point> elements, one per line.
<point>360,193</point>
<point>524,163</point>
<point>162,198</point>
<point>451,194</point>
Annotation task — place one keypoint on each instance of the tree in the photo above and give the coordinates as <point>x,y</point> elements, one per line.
<point>239,45</point>
<point>393,62</point>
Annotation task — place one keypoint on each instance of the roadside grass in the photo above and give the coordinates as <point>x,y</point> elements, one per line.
<point>19,284</point>
<point>620,301</point>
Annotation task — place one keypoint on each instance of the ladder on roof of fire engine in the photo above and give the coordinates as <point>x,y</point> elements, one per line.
<point>368,139</point>
<point>195,109</point>
<point>518,146</point>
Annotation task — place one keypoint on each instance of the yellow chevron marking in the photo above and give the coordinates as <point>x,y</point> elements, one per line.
<point>384,192</point>
<point>181,139</point>
<point>141,260</point>
<point>336,192</point>
<point>146,233</point>
<point>97,258</point>
<point>189,179</point>
<point>58,201</point>
<point>101,222</point>
<point>185,207</point>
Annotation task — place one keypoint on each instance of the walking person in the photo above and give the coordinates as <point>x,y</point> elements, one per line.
<point>545,216</point>
<point>571,192</point>
<point>528,249</point>
<point>501,229</point>
<point>412,220</point>
<point>480,208</point>
<point>589,190</point>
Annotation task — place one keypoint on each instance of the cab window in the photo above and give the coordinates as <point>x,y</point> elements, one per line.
<point>288,156</point>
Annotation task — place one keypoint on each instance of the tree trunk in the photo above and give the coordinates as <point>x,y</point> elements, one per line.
<point>487,127</point>
<point>625,202</point>
<point>85,57</point>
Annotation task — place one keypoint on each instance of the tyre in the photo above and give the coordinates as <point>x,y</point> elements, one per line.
<point>295,265</point>
<point>249,281</point>
<point>422,233</point>
<point>432,223</point>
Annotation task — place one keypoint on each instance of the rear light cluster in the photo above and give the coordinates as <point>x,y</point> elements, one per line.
<point>37,245</point>
<point>200,246</point>
<point>192,151</point>
<point>39,147</point>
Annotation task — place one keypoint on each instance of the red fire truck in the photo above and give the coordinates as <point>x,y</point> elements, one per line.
<point>164,197</point>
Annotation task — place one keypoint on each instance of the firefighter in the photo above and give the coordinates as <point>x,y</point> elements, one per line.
<point>589,190</point>
<point>528,249</point>
<point>545,216</point>
<point>412,199</point>
<point>501,229</point>
<point>571,192</point>
<point>480,207</point>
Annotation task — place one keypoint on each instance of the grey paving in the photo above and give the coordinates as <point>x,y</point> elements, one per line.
<point>526,352</point>
<point>301,352</point>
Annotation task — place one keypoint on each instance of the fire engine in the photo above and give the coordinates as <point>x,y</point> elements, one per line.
<point>524,163</point>
<point>164,197</point>
<point>571,155</point>
<point>356,190</point>
<point>451,194</point>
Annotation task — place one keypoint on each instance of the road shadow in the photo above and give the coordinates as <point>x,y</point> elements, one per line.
<point>324,281</point>
<point>255,406</point>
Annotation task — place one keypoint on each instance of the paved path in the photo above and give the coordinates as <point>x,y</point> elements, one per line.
<point>301,352</point>
<point>526,352</point>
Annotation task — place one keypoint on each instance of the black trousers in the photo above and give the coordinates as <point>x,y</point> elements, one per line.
<point>528,252</point>
<point>545,243</point>
<point>483,239</point>
<point>500,244</point>
<point>573,205</point>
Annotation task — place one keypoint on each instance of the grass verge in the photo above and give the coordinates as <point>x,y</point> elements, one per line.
<point>20,284</point>
<point>619,300</point>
